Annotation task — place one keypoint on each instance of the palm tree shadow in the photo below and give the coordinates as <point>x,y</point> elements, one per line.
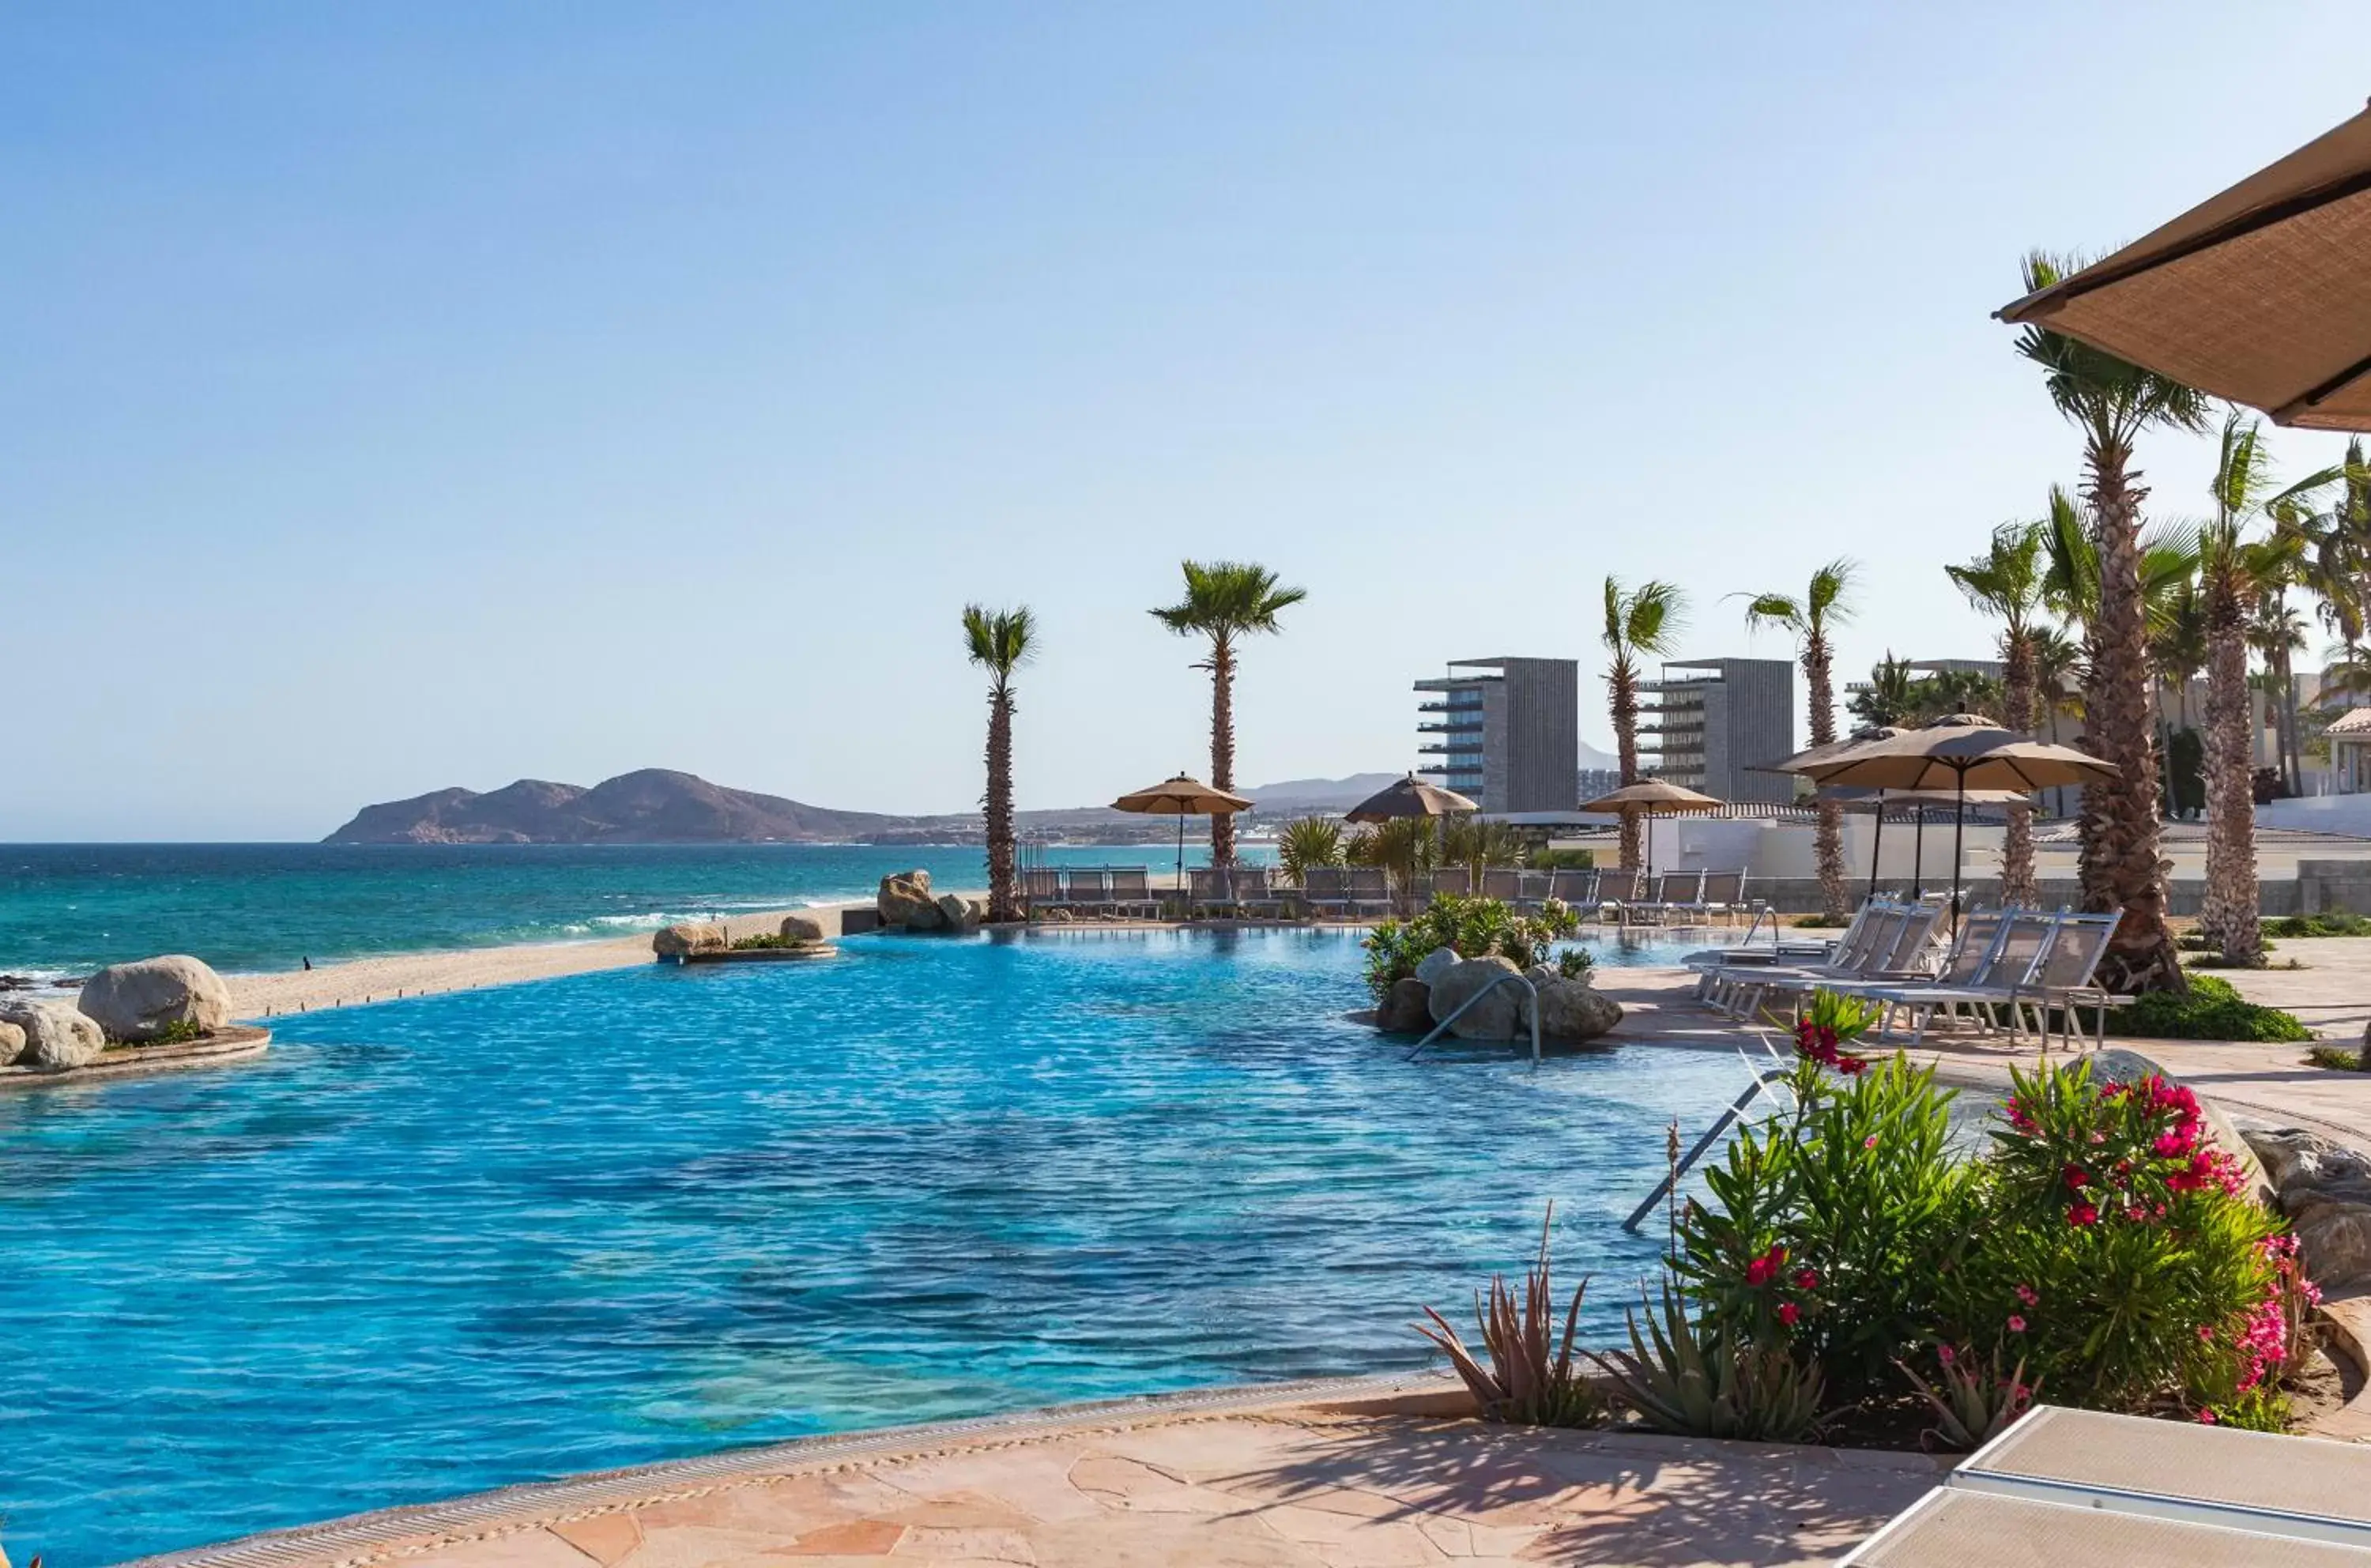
<point>1605,1498</point>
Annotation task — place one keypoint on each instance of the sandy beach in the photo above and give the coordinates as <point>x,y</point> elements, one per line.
<point>356,981</point>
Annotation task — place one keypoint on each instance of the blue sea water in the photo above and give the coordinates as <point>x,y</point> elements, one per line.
<point>67,908</point>
<point>442,1244</point>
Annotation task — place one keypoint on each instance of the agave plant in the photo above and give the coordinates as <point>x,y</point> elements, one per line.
<point>1711,1388</point>
<point>1534,1377</point>
<point>1975,1403</point>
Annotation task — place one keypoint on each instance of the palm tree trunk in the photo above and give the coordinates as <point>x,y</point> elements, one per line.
<point>2228,916</point>
<point>2292,759</point>
<point>1828,829</point>
<point>2122,815</point>
<point>1625,685</point>
<point>1003,895</point>
<point>1222,744</point>
<point>2018,886</point>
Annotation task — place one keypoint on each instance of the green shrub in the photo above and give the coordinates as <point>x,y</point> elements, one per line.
<point>765,942</point>
<point>2214,1010</point>
<point>2338,1057</point>
<point>1575,962</point>
<point>180,1032</point>
<point>1473,928</point>
<point>1699,1380</point>
<point>1563,859</point>
<point>1305,844</point>
<point>2335,923</point>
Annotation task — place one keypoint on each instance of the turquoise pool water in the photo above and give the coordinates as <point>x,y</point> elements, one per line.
<point>442,1244</point>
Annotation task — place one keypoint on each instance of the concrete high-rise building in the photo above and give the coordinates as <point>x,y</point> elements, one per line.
<point>1507,735</point>
<point>1709,722</point>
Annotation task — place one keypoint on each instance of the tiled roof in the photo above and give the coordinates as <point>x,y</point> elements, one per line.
<point>2354,721</point>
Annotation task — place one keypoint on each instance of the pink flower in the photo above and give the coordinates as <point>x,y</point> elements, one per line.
<point>2075,1177</point>
<point>1789,1312</point>
<point>1765,1269</point>
<point>1944,1353</point>
<point>1869,1142</point>
<point>1807,1279</point>
<point>2016,1324</point>
<point>2028,1295</point>
<point>2206,1333</point>
<point>2082,1214</point>
<point>2207,1416</point>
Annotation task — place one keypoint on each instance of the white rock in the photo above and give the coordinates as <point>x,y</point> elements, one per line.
<point>1492,1018</point>
<point>56,1036</point>
<point>140,1001</point>
<point>1436,963</point>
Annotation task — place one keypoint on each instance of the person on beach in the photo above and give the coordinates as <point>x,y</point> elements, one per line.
<point>308,965</point>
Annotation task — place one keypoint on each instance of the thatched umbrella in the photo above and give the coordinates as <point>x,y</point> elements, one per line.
<point>1653,798</point>
<point>1410,797</point>
<point>1181,797</point>
<point>1959,753</point>
<point>2260,295</point>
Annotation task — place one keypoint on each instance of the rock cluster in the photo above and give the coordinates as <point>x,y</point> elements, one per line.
<point>682,942</point>
<point>54,1037</point>
<point>907,903</point>
<point>1444,982</point>
<point>2326,1191</point>
<point>136,1002</point>
<point>800,929</point>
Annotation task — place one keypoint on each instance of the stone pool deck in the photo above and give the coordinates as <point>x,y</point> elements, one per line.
<point>1348,1475</point>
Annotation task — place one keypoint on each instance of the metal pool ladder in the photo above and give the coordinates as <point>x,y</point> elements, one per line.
<point>1529,990</point>
<point>1728,1118</point>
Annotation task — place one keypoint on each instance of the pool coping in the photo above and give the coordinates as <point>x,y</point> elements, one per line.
<point>233,1042</point>
<point>367,1537</point>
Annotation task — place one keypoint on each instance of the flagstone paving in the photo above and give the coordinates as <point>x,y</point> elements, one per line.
<point>1325,1486</point>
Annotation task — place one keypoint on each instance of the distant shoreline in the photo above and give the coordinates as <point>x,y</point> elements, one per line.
<point>398,977</point>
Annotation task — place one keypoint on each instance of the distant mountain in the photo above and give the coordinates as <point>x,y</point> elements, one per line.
<point>1295,795</point>
<point>1591,757</point>
<point>653,806</point>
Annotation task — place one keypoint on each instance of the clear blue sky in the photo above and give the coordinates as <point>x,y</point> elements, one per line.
<point>394,397</point>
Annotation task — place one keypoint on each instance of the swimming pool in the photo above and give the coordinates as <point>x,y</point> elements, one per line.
<point>442,1244</point>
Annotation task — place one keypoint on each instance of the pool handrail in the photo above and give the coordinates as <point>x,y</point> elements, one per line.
<point>1529,989</point>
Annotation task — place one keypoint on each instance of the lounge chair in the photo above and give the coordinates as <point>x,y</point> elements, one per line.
<point>1455,880</point>
<point>1710,961</point>
<point>1208,889</point>
<point>1041,889</point>
<point>1619,891</point>
<point>2015,957</point>
<point>1253,891</point>
<point>1502,882</point>
<point>2066,977</point>
<point>1532,888</point>
<point>1087,889</point>
<point>1720,896</point>
<point>1904,953</point>
<point>1876,947</point>
<point>1575,890</point>
<point>1369,888</point>
<point>1131,892</point>
<point>1326,891</point>
<point>1676,893</point>
<point>1966,962</point>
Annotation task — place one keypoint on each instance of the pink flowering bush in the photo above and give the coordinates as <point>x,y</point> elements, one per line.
<point>2101,1247</point>
<point>2119,1257</point>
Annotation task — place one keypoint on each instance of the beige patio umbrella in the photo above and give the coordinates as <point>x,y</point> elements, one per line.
<point>1653,798</point>
<point>1877,801</point>
<point>1410,797</point>
<point>1959,753</point>
<point>1181,797</point>
<point>2260,295</point>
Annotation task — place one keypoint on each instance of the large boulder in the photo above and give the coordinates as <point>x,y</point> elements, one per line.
<point>682,942</point>
<point>12,1044</point>
<point>1407,1009</point>
<point>802,928</point>
<point>2336,1241</point>
<point>957,914</point>
<point>2325,1189</point>
<point>905,900</point>
<point>1436,963</point>
<point>1571,1009</point>
<point>1492,1018</point>
<point>57,1036</point>
<point>142,1002</point>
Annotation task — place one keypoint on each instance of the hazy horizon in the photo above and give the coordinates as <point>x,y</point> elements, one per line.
<point>404,397</point>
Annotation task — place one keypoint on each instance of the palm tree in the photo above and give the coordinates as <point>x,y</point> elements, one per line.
<point>1307,843</point>
<point>1225,601</point>
<point>2111,401</point>
<point>2277,631</point>
<point>2236,577</point>
<point>2337,549</point>
<point>1642,623</point>
<point>1826,603</point>
<point>1476,845</point>
<point>999,642</point>
<point>2006,584</point>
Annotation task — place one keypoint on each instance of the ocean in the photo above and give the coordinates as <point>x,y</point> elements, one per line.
<point>68,908</point>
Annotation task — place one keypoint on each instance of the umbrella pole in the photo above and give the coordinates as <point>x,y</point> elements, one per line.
<point>1919,858</point>
<point>1959,827</point>
<point>1184,908</point>
<point>1876,843</point>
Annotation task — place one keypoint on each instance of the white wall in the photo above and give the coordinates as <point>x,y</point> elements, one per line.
<point>1783,848</point>
<point>2319,814</point>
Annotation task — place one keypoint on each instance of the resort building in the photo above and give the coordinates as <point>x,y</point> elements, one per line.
<point>1505,732</point>
<point>1709,722</point>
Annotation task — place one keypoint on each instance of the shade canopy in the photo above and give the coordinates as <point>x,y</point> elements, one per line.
<point>1852,798</point>
<point>1805,760</point>
<point>1182,796</point>
<point>1655,797</point>
<point>2260,295</point>
<point>1963,752</point>
<point>1410,797</point>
